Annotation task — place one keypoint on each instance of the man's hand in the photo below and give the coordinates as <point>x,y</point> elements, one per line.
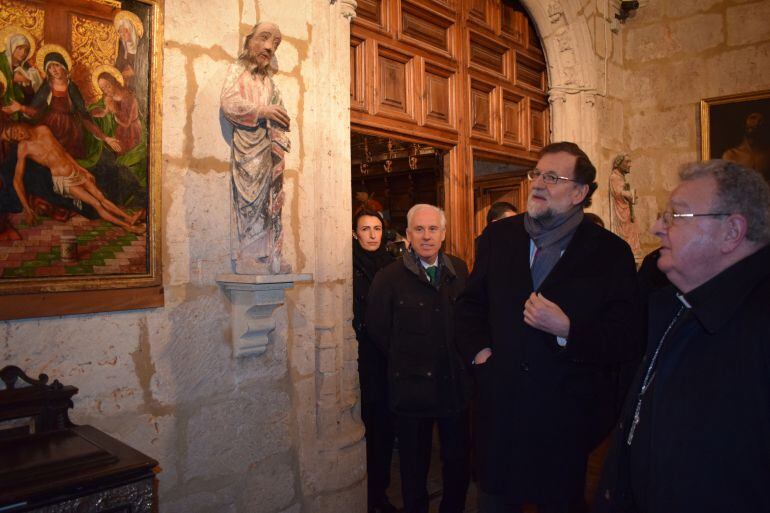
<point>546,316</point>
<point>275,113</point>
<point>482,356</point>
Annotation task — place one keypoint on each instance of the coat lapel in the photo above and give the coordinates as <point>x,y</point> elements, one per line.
<point>520,256</point>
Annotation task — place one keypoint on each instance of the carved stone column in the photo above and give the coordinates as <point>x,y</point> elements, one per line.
<point>253,300</point>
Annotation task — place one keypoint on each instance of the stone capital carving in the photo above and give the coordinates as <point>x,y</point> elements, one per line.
<point>556,96</point>
<point>253,302</point>
<point>589,98</point>
<point>348,8</point>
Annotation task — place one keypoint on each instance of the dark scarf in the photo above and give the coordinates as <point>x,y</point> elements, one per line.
<point>551,237</point>
<point>370,261</point>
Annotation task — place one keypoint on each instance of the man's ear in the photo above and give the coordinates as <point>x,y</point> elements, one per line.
<point>735,230</point>
<point>581,191</point>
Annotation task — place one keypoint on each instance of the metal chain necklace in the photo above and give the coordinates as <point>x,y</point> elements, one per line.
<point>650,374</point>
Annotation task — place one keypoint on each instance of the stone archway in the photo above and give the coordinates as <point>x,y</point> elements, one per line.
<point>575,72</point>
<point>572,69</point>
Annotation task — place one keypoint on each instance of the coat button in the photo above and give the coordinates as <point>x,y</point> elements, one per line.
<point>429,374</point>
<point>401,302</point>
<point>524,366</point>
<point>438,309</point>
<point>420,303</point>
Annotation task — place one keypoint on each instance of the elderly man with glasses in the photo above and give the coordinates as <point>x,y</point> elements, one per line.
<point>549,307</point>
<point>694,435</point>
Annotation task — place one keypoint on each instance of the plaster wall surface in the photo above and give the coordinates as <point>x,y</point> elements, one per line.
<point>676,54</point>
<point>269,434</point>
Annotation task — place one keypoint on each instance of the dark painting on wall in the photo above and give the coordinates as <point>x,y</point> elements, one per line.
<point>737,128</point>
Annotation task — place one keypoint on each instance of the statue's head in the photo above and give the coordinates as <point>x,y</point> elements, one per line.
<point>259,47</point>
<point>622,163</point>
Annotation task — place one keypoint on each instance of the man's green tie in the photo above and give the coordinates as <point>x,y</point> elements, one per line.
<point>431,272</point>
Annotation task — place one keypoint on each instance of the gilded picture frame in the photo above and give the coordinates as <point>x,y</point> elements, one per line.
<point>80,156</point>
<point>737,128</point>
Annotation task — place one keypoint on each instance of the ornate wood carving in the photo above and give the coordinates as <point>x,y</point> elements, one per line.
<point>424,27</point>
<point>481,113</point>
<point>47,404</point>
<point>438,97</point>
<point>539,125</point>
<point>514,119</point>
<point>394,96</point>
<point>529,72</point>
<point>451,5</point>
<point>513,24</point>
<point>487,55</point>
<point>480,11</point>
<point>369,10</point>
<point>357,71</point>
<point>372,13</point>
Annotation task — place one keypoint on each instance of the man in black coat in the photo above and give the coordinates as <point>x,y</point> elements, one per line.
<point>694,436</point>
<point>410,317</point>
<point>550,305</point>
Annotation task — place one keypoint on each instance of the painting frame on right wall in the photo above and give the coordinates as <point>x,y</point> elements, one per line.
<point>737,128</point>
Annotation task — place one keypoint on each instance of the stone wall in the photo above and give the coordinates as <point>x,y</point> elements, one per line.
<point>274,433</point>
<point>675,54</point>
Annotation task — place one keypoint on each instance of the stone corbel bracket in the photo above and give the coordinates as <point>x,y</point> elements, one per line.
<point>253,302</point>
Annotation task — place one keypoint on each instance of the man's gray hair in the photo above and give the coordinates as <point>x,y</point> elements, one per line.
<point>740,190</point>
<point>419,206</point>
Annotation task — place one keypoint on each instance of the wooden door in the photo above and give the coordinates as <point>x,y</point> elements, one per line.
<point>465,76</point>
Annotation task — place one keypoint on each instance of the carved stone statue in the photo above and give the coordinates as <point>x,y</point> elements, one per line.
<point>253,105</point>
<point>622,201</point>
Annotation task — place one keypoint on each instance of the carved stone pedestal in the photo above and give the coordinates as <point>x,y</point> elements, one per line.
<point>253,299</point>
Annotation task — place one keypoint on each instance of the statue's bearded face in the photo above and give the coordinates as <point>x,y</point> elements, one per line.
<point>262,46</point>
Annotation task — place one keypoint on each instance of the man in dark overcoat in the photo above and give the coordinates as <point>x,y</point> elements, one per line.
<point>694,435</point>
<point>409,315</point>
<point>550,306</point>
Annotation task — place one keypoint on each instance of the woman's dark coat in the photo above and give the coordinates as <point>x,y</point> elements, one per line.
<point>372,364</point>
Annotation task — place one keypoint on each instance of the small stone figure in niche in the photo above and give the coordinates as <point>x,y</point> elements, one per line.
<point>252,104</point>
<point>622,201</point>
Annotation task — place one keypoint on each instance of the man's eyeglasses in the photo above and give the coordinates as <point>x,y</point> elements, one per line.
<point>669,215</point>
<point>549,177</point>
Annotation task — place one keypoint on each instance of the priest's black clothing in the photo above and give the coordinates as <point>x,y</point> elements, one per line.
<point>702,443</point>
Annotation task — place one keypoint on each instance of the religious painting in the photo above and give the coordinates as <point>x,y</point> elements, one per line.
<point>737,128</point>
<point>79,145</point>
